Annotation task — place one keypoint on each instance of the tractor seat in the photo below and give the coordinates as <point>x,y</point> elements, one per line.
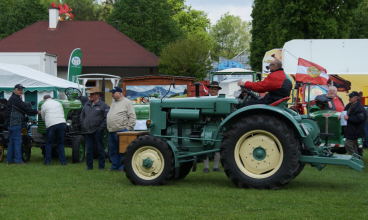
<point>276,103</point>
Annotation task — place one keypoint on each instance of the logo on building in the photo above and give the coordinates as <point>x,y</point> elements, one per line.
<point>76,61</point>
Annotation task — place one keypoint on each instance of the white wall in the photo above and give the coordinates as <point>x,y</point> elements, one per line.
<point>42,61</point>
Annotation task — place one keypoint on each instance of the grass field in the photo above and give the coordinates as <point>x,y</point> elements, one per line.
<point>35,191</point>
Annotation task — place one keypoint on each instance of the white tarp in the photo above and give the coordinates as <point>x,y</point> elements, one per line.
<point>12,74</point>
<point>338,56</point>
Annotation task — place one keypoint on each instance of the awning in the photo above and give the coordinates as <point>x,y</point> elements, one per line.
<point>33,80</point>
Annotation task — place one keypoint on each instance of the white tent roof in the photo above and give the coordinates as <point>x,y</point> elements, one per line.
<point>12,74</point>
<point>235,70</point>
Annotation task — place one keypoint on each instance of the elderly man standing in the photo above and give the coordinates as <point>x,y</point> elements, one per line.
<point>356,116</point>
<point>93,118</point>
<point>120,118</point>
<point>214,89</point>
<point>52,113</point>
<point>17,110</point>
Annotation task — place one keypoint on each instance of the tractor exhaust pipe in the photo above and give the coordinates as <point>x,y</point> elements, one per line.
<point>197,84</point>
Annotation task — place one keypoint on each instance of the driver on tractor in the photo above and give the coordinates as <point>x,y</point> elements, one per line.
<point>277,84</point>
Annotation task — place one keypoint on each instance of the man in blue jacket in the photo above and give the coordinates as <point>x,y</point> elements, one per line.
<point>17,110</point>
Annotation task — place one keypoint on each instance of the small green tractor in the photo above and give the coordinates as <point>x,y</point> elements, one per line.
<point>73,134</point>
<point>262,146</point>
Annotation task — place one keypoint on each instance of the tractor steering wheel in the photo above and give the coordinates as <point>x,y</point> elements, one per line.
<point>73,93</point>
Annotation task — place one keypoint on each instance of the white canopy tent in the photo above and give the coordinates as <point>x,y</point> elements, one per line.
<point>33,81</point>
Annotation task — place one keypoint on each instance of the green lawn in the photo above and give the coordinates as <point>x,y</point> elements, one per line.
<point>34,191</point>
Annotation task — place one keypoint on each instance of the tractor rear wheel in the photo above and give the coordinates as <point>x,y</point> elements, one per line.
<point>261,152</point>
<point>148,161</point>
<point>78,149</point>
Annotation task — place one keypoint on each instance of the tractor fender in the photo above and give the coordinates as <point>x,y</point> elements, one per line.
<point>291,117</point>
<point>175,152</point>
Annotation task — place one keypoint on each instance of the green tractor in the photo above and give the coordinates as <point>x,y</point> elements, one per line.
<point>73,135</point>
<point>262,146</point>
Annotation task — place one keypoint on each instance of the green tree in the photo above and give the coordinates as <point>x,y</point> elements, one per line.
<point>187,57</point>
<point>17,14</point>
<point>84,10</point>
<point>105,9</point>
<point>150,23</point>
<point>191,21</point>
<point>276,22</point>
<point>360,21</point>
<point>232,36</point>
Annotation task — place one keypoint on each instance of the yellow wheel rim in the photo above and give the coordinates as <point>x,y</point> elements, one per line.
<point>258,154</point>
<point>148,163</point>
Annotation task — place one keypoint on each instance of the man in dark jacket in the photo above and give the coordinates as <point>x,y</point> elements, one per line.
<point>93,118</point>
<point>17,109</point>
<point>355,117</point>
<point>277,84</point>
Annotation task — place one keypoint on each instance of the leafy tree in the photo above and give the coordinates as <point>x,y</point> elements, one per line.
<point>105,9</point>
<point>150,23</point>
<point>360,21</point>
<point>17,14</point>
<point>192,21</point>
<point>187,57</point>
<point>231,35</point>
<point>84,10</point>
<point>276,22</point>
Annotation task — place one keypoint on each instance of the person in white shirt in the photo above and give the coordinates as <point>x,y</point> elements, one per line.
<point>52,113</point>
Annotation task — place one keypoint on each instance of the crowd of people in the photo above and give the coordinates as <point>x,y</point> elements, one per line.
<point>96,117</point>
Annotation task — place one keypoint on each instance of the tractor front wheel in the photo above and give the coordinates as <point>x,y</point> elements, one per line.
<point>261,152</point>
<point>148,161</point>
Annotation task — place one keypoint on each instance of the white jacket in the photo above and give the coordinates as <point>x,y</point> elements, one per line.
<point>52,112</point>
<point>121,115</point>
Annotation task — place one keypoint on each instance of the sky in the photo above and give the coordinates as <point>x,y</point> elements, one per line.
<point>216,8</point>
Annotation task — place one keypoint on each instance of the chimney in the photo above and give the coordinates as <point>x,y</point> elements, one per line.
<point>53,17</point>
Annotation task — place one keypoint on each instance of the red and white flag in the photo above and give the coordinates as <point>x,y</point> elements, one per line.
<point>309,72</point>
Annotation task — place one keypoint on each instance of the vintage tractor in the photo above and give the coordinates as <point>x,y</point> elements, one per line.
<point>262,146</point>
<point>73,135</point>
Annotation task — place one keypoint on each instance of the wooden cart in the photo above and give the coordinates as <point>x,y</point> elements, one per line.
<point>125,138</point>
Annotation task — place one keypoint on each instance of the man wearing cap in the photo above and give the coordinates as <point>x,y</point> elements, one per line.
<point>277,84</point>
<point>356,116</point>
<point>17,109</point>
<point>93,118</point>
<point>121,117</point>
<point>52,113</point>
<point>214,89</point>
